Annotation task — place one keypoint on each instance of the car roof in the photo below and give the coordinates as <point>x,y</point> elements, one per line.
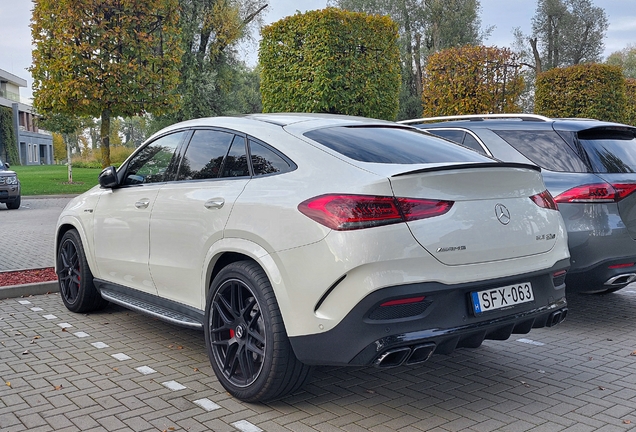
<point>514,121</point>
<point>273,123</point>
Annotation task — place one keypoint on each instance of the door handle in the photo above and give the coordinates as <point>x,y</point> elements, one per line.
<point>142,203</point>
<point>214,203</point>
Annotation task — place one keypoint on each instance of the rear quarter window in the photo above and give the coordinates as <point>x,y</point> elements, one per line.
<point>545,149</point>
<point>392,145</point>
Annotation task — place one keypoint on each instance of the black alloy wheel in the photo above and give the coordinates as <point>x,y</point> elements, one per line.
<point>74,276</point>
<point>245,336</point>
<point>237,333</point>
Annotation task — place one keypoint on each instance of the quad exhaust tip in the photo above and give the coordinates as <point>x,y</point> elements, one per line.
<point>621,280</point>
<point>556,317</point>
<point>405,355</point>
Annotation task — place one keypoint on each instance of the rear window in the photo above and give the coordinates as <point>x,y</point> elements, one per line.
<point>545,149</point>
<point>610,151</point>
<point>392,145</point>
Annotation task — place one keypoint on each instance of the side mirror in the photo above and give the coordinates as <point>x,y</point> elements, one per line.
<point>6,164</point>
<point>108,178</point>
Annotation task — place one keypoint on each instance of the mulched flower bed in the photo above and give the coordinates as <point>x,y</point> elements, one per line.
<point>27,276</point>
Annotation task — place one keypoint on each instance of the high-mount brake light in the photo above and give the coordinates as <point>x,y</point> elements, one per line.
<point>544,200</point>
<point>596,193</point>
<point>350,212</point>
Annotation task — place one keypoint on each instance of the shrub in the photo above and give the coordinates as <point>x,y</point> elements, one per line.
<point>587,90</point>
<point>331,61</point>
<point>471,80</point>
<point>91,158</point>
<point>630,94</point>
<point>8,143</point>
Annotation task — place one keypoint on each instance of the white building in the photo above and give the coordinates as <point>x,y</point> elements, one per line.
<point>35,147</point>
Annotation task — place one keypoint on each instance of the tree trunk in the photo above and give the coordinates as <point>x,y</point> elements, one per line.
<point>68,157</point>
<point>418,65</point>
<point>105,138</point>
<point>537,57</point>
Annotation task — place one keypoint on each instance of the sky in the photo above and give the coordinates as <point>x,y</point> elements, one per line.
<point>504,15</point>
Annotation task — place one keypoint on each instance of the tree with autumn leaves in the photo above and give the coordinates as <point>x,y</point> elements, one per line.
<point>105,59</point>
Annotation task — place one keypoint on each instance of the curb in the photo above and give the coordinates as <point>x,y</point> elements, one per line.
<point>25,290</point>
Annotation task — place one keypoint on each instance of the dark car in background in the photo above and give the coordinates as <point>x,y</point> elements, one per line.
<point>589,167</point>
<point>9,187</point>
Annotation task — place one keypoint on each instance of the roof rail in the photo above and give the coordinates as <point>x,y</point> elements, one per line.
<point>473,117</point>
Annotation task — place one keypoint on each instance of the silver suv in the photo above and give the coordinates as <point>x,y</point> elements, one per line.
<point>9,187</point>
<point>589,166</point>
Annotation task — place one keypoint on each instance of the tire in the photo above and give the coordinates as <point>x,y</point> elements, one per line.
<point>246,339</point>
<point>74,276</point>
<point>15,204</point>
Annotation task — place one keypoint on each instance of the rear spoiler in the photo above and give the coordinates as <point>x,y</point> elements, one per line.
<point>470,166</point>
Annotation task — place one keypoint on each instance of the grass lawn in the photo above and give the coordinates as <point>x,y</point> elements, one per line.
<point>53,179</point>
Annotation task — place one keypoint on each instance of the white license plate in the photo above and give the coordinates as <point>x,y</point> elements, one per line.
<point>498,298</point>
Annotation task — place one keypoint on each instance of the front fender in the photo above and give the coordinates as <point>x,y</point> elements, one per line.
<point>78,215</point>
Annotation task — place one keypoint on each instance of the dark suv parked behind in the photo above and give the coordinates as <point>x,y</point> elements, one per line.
<point>9,187</point>
<point>589,166</point>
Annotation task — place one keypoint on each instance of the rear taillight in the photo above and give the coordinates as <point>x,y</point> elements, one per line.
<point>596,193</point>
<point>350,212</point>
<point>544,200</point>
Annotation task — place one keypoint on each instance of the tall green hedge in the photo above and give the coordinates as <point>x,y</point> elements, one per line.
<point>331,61</point>
<point>586,90</point>
<point>471,80</point>
<point>630,94</point>
<point>7,137</point>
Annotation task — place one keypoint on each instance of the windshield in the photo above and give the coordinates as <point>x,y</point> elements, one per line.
<point>392,145</point>
<point>610,151</point>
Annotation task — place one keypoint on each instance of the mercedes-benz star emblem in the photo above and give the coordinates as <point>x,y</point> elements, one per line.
<point>502,213</point>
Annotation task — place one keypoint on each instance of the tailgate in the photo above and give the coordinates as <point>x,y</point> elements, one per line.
<point>627,204</point>
<point>493,217</point>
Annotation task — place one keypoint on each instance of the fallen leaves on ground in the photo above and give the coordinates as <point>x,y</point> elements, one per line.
<point>27,276</point>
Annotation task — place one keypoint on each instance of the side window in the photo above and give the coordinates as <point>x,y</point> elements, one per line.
<point>266,161</point>
<point>471,142</point>
<point>153,162</point>
<point>459,136</point>
<point>453,135</point>
<point>545,148</point>
<point>204,156</point>
<point>235,164</point>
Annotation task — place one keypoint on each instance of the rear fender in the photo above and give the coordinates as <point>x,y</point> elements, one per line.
<point>251,251</point>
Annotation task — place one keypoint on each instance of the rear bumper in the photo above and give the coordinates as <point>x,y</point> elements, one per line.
<point>443,321</point>
<point>609,274</point>
<point>598,238</point>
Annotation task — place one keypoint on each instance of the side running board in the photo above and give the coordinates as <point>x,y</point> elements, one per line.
<point>151,309</point>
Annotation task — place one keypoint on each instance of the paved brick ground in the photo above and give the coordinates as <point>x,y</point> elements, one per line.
<point>26,234</point>
<point>109,371</point>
